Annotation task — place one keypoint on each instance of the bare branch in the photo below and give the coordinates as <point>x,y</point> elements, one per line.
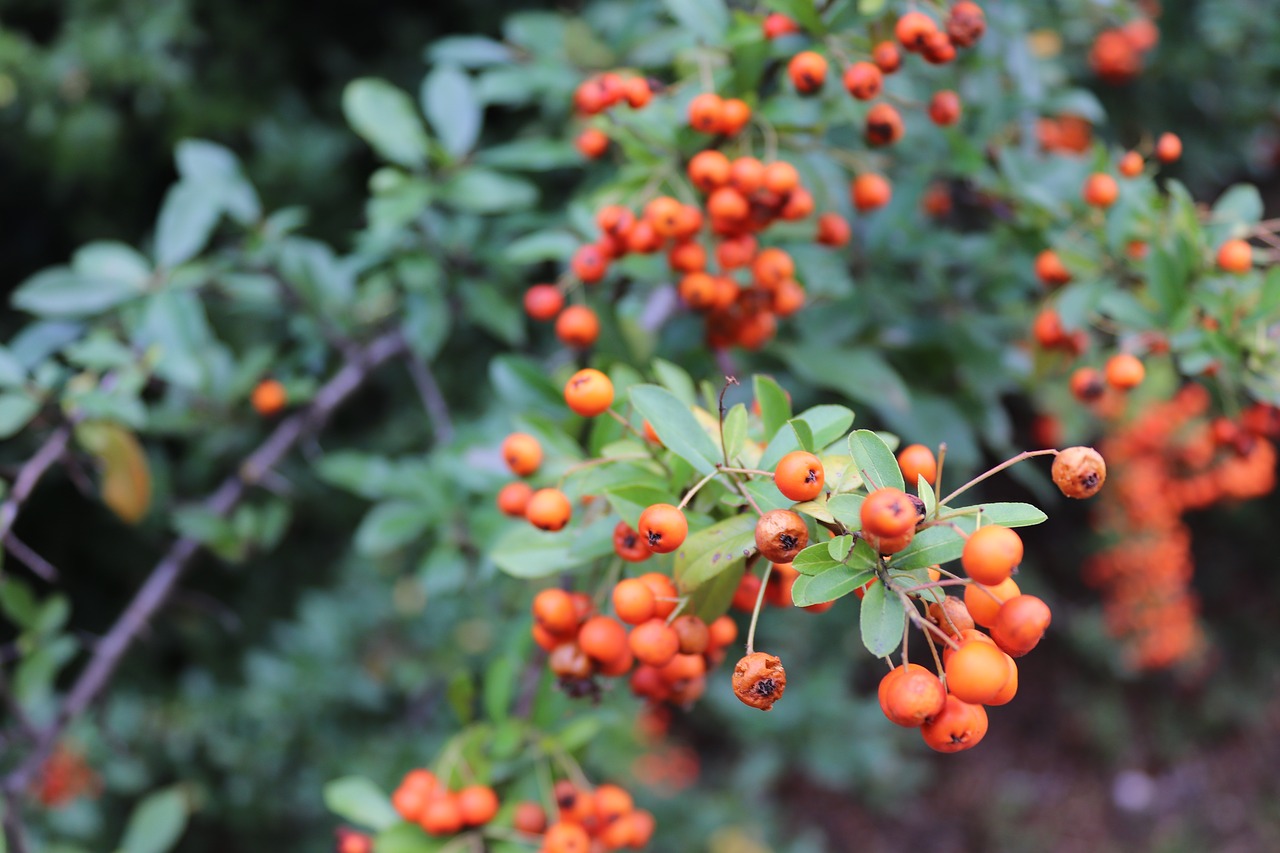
<point>432,398</point>
<point>29,475</point>
<point>24,554</point>
<point>164,577</point>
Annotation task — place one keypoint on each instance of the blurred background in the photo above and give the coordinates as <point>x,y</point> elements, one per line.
<point>265,679</point>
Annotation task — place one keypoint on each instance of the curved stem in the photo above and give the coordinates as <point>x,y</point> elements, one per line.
<point>755,614</point>
<point>688,496</point>
<point>1008,463</point>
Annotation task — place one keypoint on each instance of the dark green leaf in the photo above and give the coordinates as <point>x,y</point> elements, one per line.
<point>384,116</point>
<point>881,620</point>
<point>390,526</point>
<point>803,434</point>
<point>676,426</point>
<point>709,19</point>
<point>735,430</point>
<point>158,822</point>
<point>478,190</point>
<point>16,411</point>
<point>187,218</point>
<point>875,461</point>
<point>860,374</point>
<point>839,581</point>
<point>707,554</point>
<point>775,406</point>
<point>61,292</point>
<point>451,106</point>
<point>846,508</point>
<point>360,801</point>
<point>469,51</point>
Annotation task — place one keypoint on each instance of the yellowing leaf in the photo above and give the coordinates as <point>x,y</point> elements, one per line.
<point>126,476</point>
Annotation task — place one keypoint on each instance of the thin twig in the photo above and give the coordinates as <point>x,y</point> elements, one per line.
<point>29,475</point>
<point>155,591</point>
<point>26,555</point>
<point>755,613</point>
<point>15,835</point>
<point>1026,454</point>
<point>432,398</point>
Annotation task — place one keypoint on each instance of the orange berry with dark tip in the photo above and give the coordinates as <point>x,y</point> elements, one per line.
<point>1124,371</point>
<point>543,301</point>
<point>864,80</point>
<point>870,191</point>
<point>589,392</point>
<point>663,527</point>
<point>808,72</point>
<point>548,509</point>
<point>522,453</point>
<point>1100,190</point>
<point>799,475</point>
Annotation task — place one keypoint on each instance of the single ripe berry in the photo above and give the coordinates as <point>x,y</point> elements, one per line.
<point>629,544</point>
<point>781,177</point>
<point>663,528</point>
<point>913,28</point>
<point>799,476</point>
<point>522,453</point>
<point>543,301</point>
<point>808,71</point>
<point>569,662</point>
<point>977,672</point>
<point>603,639</point>
<point>592,143</point>
<point>959,726</point>
<point>663,588</point>
<point>1233,256</point>
<point>951,615</point>
<point>654,642</point>
<point>269,397</point>
<point>1124,371</point>
<point>513,499</point>
<point>771,267</point>
<point>478,804</point>
<point>633,601</point>
<point>566,838</point>
<point>780,535</point>
<point>983,602</point>
<point>938,48</point>
<point>870,191</point>
<point>723,631</point>
<point>917,461</point>
<point>883,125</point>
<point>863,80</point>
<point>1100,190</point>
<point>554,610</point>
<point>1168,148</point>
<point>709,169</point>
<point>887,57</point>
<point>589,263</point>
<point>991,554</point>
<point>588,392</point>
<point>833,230</point>
<point>1010,689</point>
<point>1079,472</point>
<point>776,24</point>
<point>1087,384</point>
<point>966,23</point>
<point>1050,269</point>
<point>442,815</point>
<point>1021,623</point>
<point>1131,164</point>
<point>759,680</point>
<point>887,512</point>
<point>910,695</point>
<point>694,634</point>
<point>945,108</point>
<point>705,112</point>
<point>529,818</point>
<point>548,509</point>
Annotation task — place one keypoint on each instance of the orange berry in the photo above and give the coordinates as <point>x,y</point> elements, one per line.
<point>588,392</point>
<point>543,301</point>
<point>687,257</point>
<point>958,727</point>
<point>705,112</point>
<point>799,205</point>
<point>603,638</point>
<point>1087,384</point>
<point>734,115</point>
<point>863,80</point>
<point>744,597</point>
<point>1022,622</point>
<point>664,214</point>
<point>966,23</point>
<point>945,108</point>
<point>269,397</point>
<point>977,672</point>
<point>694,634</point>
<point>723,631</point>
<point>833,230</point>
<point>1100,190</point>
<point>633,601</point>
<point>780,535</point>
<point>1050,269</point>
<point>442,815</point>
<point>638,93</point>
<point>589,263</point>
<point>883,125</point>
<point>1131,164</point>
<point>553,609</point>
<point>708,170</point>
<point>662,588</point>
<point>410,801</point>
<point>771,267</point>
<point>776,24</point>
<point>592,143</point>
<point>916,461</point>
<point>887,512</point>
<point>654,642</point>
<point>663,528</point>
<point>799,476</point>
<point>1010,689</point>
<point>759,680</point>
<point>698,290</point>
<point>529,818</point>
<point>746,175</point>
<point>991,554</point>
<point>566,838</point>
<point>984,601</point>
<point>781,177</point>
<point>909,695</point>
<point>728,204</point>
<point>887,57</point>
<point>938,48</point>
<point>912,29</point>
<point>1168,148</point>
<point>522,453</point>
<point>612,802</point>
<point>548,509</point>
<point>871,191</point>
<point>1233,256</point>
<point>1124,371</point>
<point>1079,472</point>
<point>808,71</point>
<point>513,498</point>
<point>629,545</point>
<point>478,804</point>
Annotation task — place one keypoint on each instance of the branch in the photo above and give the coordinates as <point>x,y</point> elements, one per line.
<point>29,475</point>
<point>113,646</point>
<point>432,398</point>
<point>24,554</point>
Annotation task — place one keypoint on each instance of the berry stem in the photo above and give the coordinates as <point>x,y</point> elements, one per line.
<point>937,477</point>
<point>757,472</point>
<point>688,496</point>
<point>1008,463</point>
<point>626,424</point>
<point>937,660</point>
<point>591,463</point>
<point>937,585</point>
<point>755,613</point>
<point>724,448</point>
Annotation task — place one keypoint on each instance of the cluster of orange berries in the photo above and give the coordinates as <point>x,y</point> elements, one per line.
<point>1117,53</point>
<point>422,798</point>
<point>64,777</point>
<point>666,654</point>
<point>915,32</point>
<point>1169,461</point>
<point>352,841</point>
<point>600,92</point>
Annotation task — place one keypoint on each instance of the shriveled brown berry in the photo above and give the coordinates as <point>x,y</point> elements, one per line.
<point>1079,472</point>
<point>570,661</point>
<point>780,535</point>
<point>759,680</point>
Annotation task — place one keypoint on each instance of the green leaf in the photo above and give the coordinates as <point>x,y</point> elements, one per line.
<point>114,261</point>
<point>840,547</point>
<point>846,508</point>
<point>407,837</point>
<point>187,218</point>
<point>775,406</point>
<point>16,411</point>
<point>384,116</point>
<point>735,431</point>
<point>61,292</point>
<point>12,373</point>
<point>391,525</point>
<point>524,551</point>
<point>216,170</point>
<point>803,12</point>
<point>710,552</point>
<point>18,602</point>
<point>676,426</point>
<point>860,373</point>
<point>360,801</point>
<point>815,559</point>
<point>827,423</point>
<point>469,51</point>
<point>499,688</point>
<point>708,19</point>
<point>530,155</point>
<point>557,245</point>
<point>157,824</point>
<point>875,461</point>
<point>1240,205</point>
<point>452,108</point>
<point>676,380</point>
<point>925,493</point>
<point>829,585</point>
<point>803,434</point>
<point>478,190</point>
<point>881,620</point>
